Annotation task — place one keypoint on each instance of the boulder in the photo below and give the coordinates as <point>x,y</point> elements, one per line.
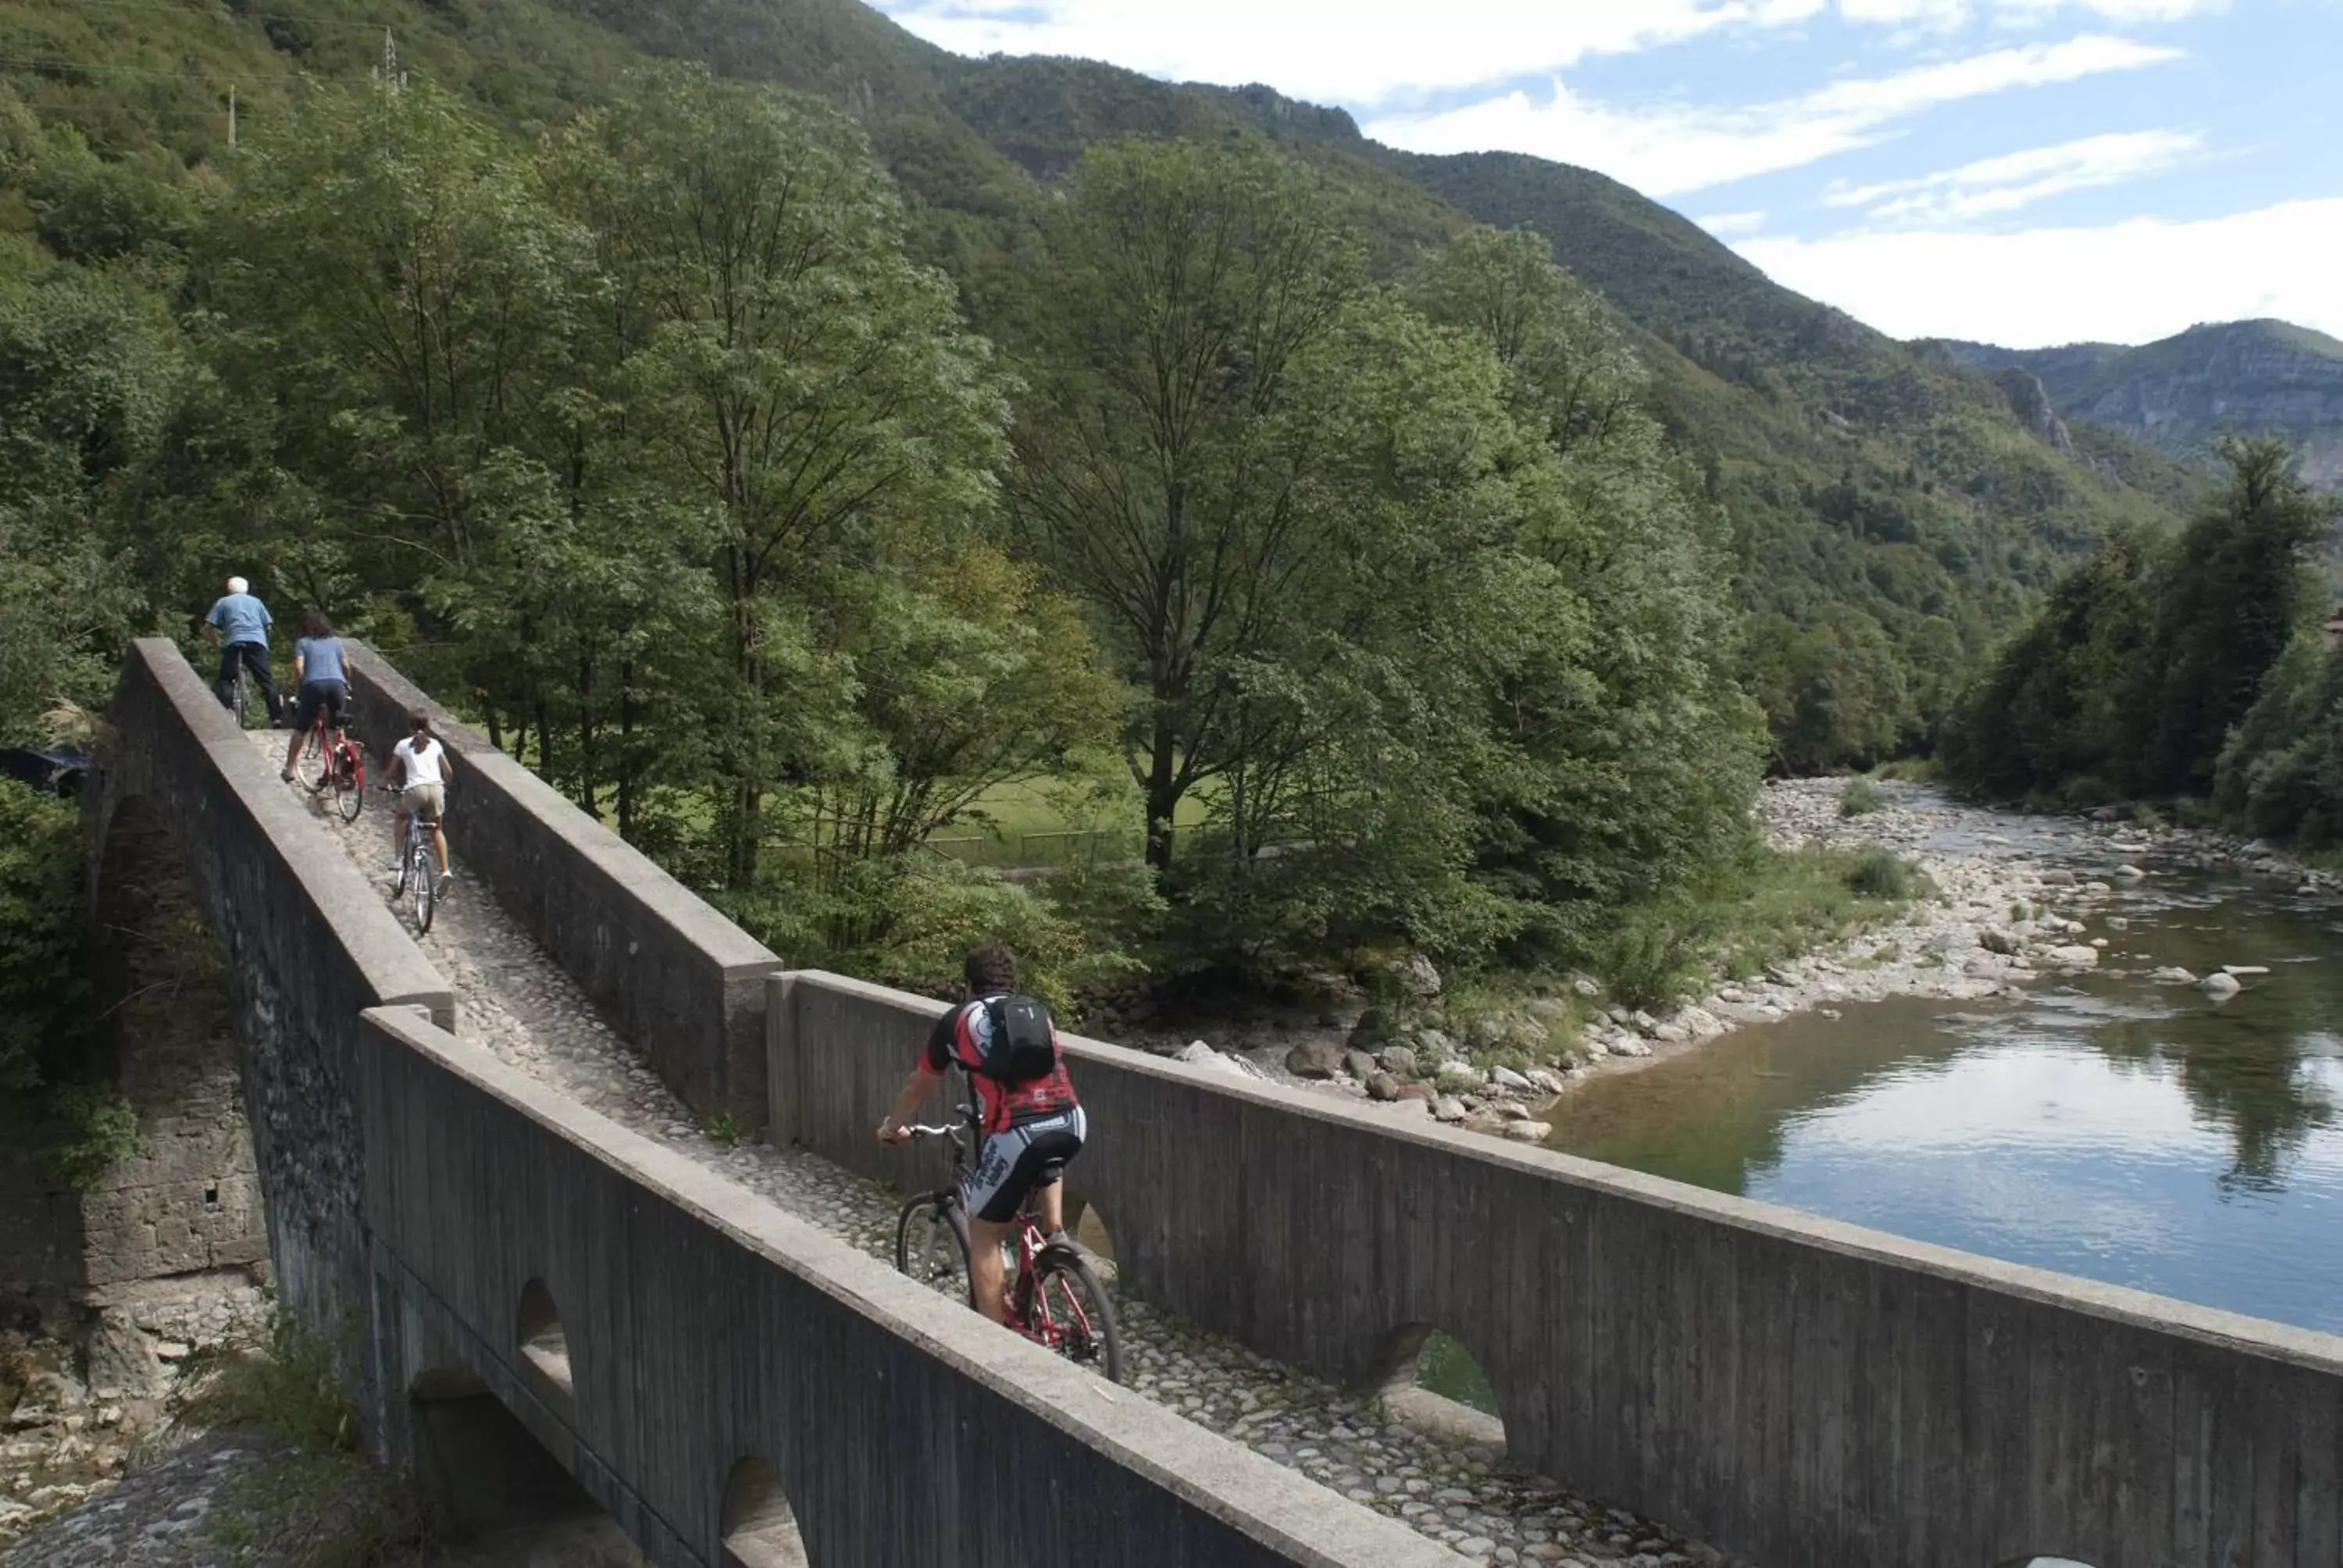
<point>1507,1111</point>
<point>1701,1023</point>
<point>1585,987</point>
<point>2172,974</point>
<point>1448,1108</point>
<point>1674,1033</point>
<point>2243,970</point>
<point>1630,1046</point>
<point>1529,1132</point>
<point>1417,976</point>
<point>2220,986</point>
<point>1995,939</point>
<point>2075,957</point>
<point>2129,874</point>
<point>1400,1060</point>
<point>1457,1077</point>
<point>1485,1033</point>
<point>1433,1047</point>
<point>1381,1086</point>
<point>2058,877</point>
<point>1506,1078</point>
<point>1313,1059</point>
<point>1359,1065</point>
<point>1196,1053</point>
<point>1545,1079</point>
<point>1374,1027</point>
<point>1423,1092</point>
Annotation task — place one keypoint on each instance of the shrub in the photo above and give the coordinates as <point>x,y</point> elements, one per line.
<point>1878,873</point>
<point>1860,797</point>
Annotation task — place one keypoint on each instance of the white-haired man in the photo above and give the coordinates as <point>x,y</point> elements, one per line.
<point>240,624</point>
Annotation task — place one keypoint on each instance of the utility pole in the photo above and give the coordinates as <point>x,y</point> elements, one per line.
<point>231,117</point>
<point>389,72</point>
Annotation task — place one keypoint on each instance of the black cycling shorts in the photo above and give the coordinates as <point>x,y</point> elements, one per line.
<point>1009,1165</point>
<point>329,695</point>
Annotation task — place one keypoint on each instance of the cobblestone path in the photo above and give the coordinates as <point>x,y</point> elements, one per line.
<point>517,1002</point>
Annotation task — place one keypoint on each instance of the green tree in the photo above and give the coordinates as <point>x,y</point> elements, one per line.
<point>1154,478</point>
<point>2235,591</point>
<point>790,370</point>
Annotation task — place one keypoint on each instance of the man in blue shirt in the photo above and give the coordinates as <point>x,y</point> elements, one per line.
<point>240,624</point>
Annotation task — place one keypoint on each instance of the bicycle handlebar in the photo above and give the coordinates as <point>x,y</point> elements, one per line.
<point>917,1130</point>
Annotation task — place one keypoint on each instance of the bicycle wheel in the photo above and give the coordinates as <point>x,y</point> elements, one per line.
<point>251,708</point>
<point>317,766</point>
<point>1072,1315</point>
<point>406,872</point>
<point>349,782</point>
<point>931,1244</point>
<point>425,896</point>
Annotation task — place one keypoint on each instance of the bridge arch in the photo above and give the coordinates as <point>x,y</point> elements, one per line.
<point>1432,1379</point>
<point>757,1525</point>
<point>544,1345</point>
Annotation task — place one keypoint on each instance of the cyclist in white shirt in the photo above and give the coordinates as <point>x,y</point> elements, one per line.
<point>421,768</point>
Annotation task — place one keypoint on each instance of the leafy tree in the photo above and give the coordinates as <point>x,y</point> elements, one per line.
<point>2053,714</point>
<point>1155,478</point>
<point>788,366</point>
<point>2236,588</point>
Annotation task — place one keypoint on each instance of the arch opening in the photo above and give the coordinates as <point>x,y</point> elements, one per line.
<point>1431,1380</point>
<point>1089,1229</point>
<point>544,1343</point>
<point>758,1526</point>
<point>489,1487</point>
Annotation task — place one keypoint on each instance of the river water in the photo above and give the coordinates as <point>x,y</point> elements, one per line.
<point>2103,1125</point>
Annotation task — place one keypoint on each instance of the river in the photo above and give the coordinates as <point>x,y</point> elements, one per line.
<point>2099,1124</point>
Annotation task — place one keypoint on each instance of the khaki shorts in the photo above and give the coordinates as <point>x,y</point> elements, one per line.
<point>426,800</point>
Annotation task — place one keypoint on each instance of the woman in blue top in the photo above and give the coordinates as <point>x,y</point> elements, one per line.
<point>321,669</point>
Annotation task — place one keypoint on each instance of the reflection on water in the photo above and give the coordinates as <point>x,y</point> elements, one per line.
<point>2104,1126</point>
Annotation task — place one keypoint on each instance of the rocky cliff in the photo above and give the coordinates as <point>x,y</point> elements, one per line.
<point>2179,394</point>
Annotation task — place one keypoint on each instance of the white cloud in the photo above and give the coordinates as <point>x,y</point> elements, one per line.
<point>1346,51</point>
<point>2130,282</point>
<point>1732,225</point>
<point>2014,180</point>
<point>1676,148</point>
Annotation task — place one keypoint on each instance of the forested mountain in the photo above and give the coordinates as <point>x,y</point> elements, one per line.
<point>1892,514</point>
<point>2179,394</point>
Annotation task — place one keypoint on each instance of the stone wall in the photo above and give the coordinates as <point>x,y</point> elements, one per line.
<point>189,1201</point>
<point>1796,1390</point>
<point>306,946</point>
<point>684,984</point>
<point>658,1325</point>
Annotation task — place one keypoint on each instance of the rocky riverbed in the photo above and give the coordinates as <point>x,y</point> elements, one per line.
<point>84,1385</point>
<point>2012,901</point>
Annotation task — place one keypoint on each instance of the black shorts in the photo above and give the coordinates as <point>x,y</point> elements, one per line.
<point>1009,1166</point>
<point>329,695</point>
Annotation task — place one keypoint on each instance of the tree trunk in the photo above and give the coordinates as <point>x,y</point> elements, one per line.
<point>626,761</point>
<point>1163,795</point>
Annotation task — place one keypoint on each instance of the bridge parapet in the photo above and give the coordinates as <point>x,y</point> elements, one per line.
<point>307,947</point>
<point>1792,1388</point>
<point>685,985</point>
<point>700,1327</point>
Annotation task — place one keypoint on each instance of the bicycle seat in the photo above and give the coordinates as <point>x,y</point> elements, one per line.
<point>1050,1171</point>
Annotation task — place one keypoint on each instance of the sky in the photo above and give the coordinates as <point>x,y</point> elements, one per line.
<point>2022,172</point>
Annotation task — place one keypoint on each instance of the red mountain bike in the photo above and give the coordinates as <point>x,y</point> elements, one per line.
<point>1054,1298</point>
<point>332,760</point>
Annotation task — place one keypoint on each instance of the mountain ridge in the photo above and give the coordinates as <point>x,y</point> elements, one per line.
<point>2256,377</point>
<point>1893,510</point>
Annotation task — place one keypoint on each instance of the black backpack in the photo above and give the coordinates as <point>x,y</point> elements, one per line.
<point>1022,1045</point>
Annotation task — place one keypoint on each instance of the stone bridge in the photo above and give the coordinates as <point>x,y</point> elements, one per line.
<point>499,1164</point>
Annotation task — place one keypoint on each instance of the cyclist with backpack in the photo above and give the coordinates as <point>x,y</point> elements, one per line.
<point>1007,1044</point>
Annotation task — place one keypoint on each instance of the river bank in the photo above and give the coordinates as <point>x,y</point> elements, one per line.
<point>2010,902</point>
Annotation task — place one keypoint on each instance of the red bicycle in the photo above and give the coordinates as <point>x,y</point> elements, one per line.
<point>335,762</point>
<point>1054,1298</point>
